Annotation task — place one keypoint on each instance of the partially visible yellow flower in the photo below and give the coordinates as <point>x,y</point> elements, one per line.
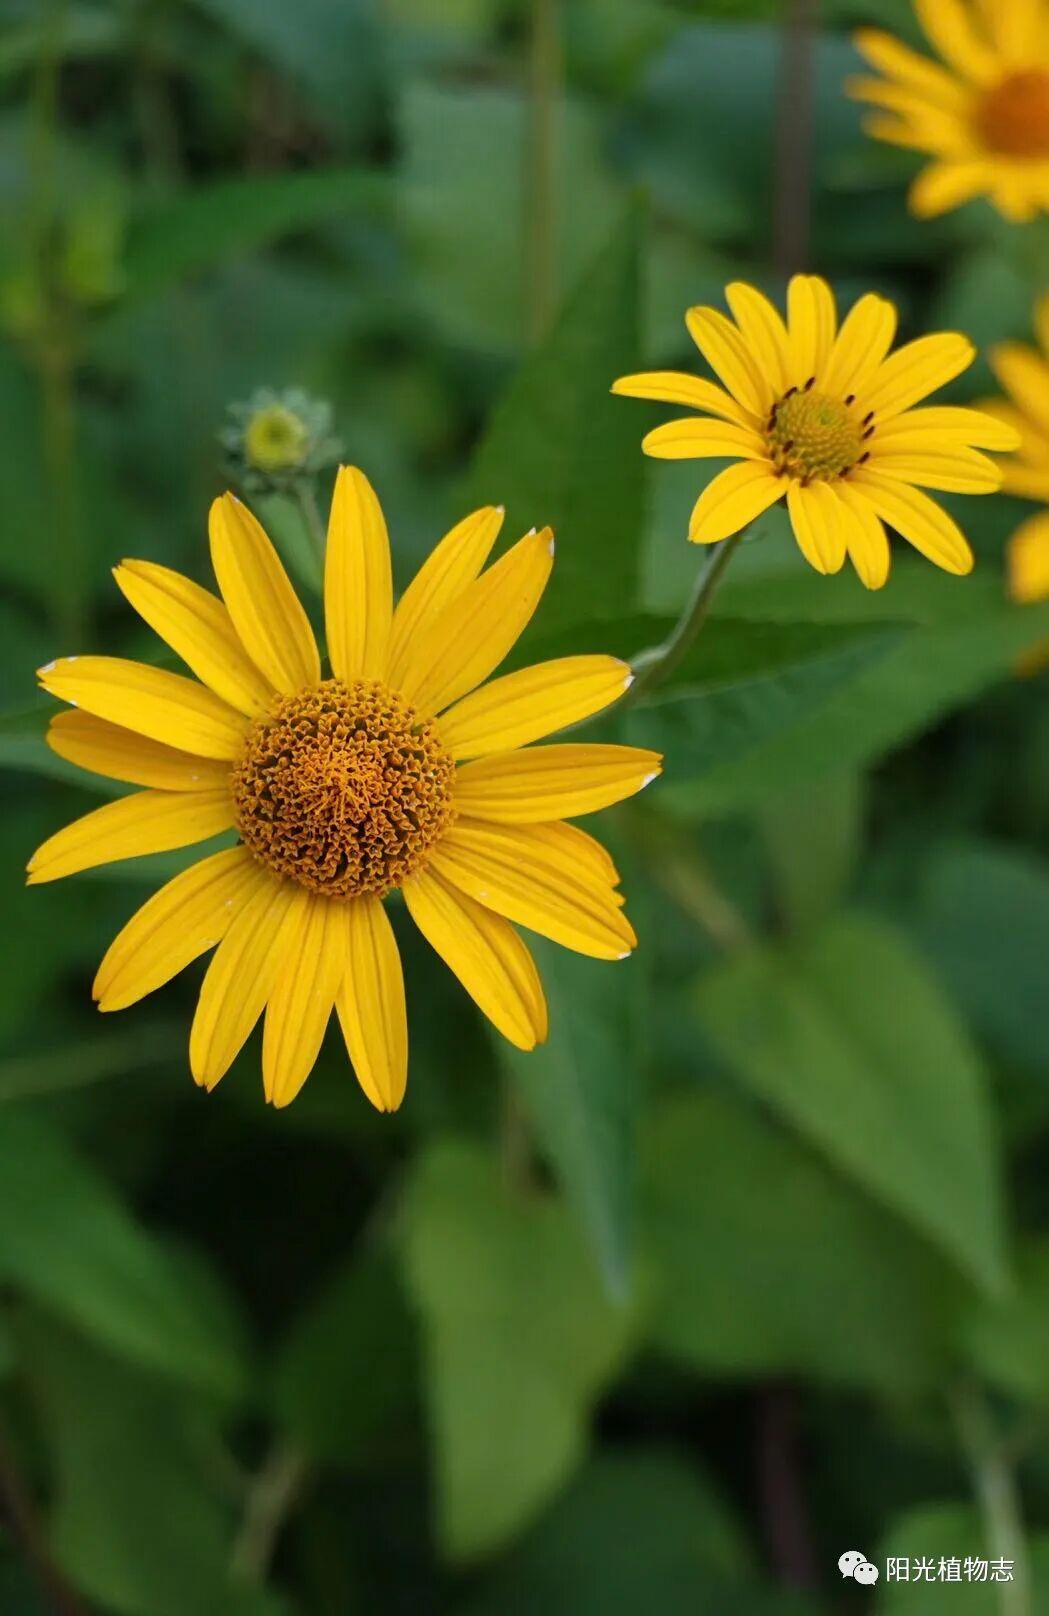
<point>983,116</point>
<point>1027,561</point>
<point>399,769</point>
<point>1023,372</point>
<point>823,418</point>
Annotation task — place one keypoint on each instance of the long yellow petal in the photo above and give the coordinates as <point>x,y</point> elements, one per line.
<point>358,580</point>
<point>199,629</point>
<point>763,332</point>
<point>953,470</point>
<point>694,392</point>
<point>146,822</point>
<point>866,335</point>
<point>722,346</point>
<point>552,782</point>
<point>813,513</point>
<point>240,979</point>
<point>265,609</point>
<point>189,915</point>
<point>916,370</point>
<point>1025,374</point>
<point>946,184</point>
<point>534,702</point>
<point>313,964</point>
<point>515,873</point>
<point>119,754</point>
<point>946,423</point>
<point>692,439</point>
<point>812,321</point>
<point>371,1004</point>
<point>887,54</point>
<point>578,852</point>
<point>445,573</point>
<point>491,961</point>
<point>474,633</point>
<point>1027,560</point>
<point>918,519</point>
<point>865,536</point>
<point>950,28</point>
<point>736,496</point>
<point>150,701</point>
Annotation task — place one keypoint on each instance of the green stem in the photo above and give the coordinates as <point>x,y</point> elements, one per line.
<point>653,668</point>
<point>994,1482</point>
<point>541,187</point>
<point>272,1496</point>
<point>314,521</point>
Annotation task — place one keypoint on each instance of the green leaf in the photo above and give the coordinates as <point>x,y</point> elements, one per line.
<point>813,841</point>
<point>949,1531</point>
<point>766,1262</point>
<point>1008,1338</point>
<point>66,1241</point>
<point>203,228</point>
<point>983,918</point>
<point>519,1338</point>
<point>347,1369</point>
<point>143,1520</point>
<point>580,1090</point>
<point>560,450</point>
<point>848,1038</point>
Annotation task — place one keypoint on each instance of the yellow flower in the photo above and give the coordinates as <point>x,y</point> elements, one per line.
<point>822,418</point>
<point>1023,372</point>
<point>983,116</point>
<point>401,769</point>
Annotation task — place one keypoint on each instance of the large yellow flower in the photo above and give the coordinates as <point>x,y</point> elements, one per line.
<point>397,771</point>
<point>822,418</point>
<point>983,116</point>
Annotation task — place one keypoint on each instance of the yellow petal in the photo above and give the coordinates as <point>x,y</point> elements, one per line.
<point>578,852</point>
<point>265,609</point>
<point>947,184</point>
<point>147,822</point>
<point>371,1004</point>
<point>915,370</point>
<point>453,565</point>
<point>813,516</point>
<point>677,387</point>
<point>313,964</point>
<point>763,332</point>
<point>916,518</point>
<point>954,470</point>
<point>884,52</point>
<point>189,915</point>
<point>950,28</point>
<point>1025,374</point>
<point>552,782</point>
<point>199,629</point>
<point>150,701</point>
<point>736,497</point>
<point>120,754</point>
<point>239,980</point>
<point>944,423</point>
<point>358,581</point>
<point>865,536</point>
<point>1027,560</point>
<point>866,336</point>
<point>812,323</point>
<point>524,706</point>
<point>473,634</point>
<point>692,439</point>
<point>515,873</point>
<point>727,354</point>
<point>491,961</point>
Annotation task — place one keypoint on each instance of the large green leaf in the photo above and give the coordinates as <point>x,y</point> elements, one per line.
<point>848,1037</point>
<point>519,1338</point>
<point>67,1241</point>
<point>581,1089</point>
<point>766,1262</point>
<point>560,450</point>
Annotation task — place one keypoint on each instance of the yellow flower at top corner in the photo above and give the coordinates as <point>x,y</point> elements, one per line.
<point>823,417</point>
<point>981,112</point>
<point>400,769</point>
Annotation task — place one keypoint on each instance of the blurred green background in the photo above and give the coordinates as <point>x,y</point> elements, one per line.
<point>750,1264</point>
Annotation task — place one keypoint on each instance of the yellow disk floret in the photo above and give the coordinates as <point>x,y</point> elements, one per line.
<point>812,436</point>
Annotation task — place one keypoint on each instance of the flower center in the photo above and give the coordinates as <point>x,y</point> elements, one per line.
<point>812,436</point>
<point>275,439</point>
<point>344,788</point>
<point>1013,118</point>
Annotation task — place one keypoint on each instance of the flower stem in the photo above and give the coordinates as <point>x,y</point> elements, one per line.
<point>541,180</point>
<point>994,1482</point>
<point>312,517</point>
<point>654,667</point>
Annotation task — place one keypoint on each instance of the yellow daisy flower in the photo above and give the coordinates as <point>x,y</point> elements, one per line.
<point>1023,372</point>
<point>983,116</point>
<point>823,418</point>
<point>401,769</point>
